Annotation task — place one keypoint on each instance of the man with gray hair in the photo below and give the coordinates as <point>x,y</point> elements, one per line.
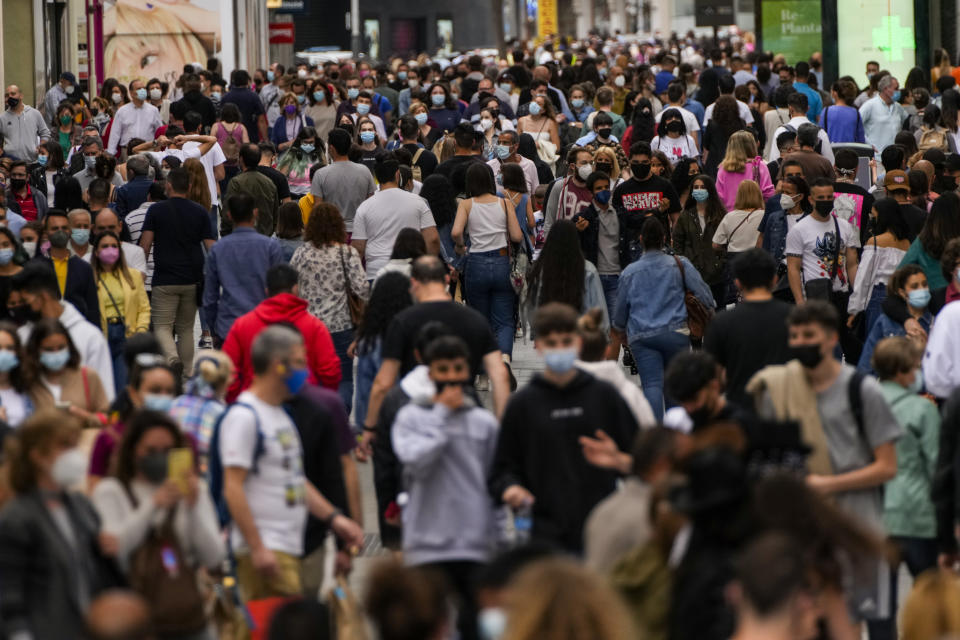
<point>507,146</point>
<point>80,223</point>
<point>91,147</point>
<point>264,486</point>
<point>882,115</point>
<point>134,193</point>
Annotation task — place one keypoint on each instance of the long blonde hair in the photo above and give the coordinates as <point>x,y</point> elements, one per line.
<point>741,148</point>
<point>558,599</point>
<point>607,153</point>
<point>749,196</point>
<point>199,191</point>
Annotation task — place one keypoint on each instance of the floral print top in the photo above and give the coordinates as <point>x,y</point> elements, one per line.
<point>322,282</point>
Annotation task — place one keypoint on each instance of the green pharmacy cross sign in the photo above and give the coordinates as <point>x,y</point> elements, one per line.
<point>892,39</point>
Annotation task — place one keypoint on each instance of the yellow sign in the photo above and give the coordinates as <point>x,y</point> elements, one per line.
<point>274,4</point>
<point>547,18</point>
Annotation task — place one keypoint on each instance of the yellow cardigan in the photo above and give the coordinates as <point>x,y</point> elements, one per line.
<point>136,305</point>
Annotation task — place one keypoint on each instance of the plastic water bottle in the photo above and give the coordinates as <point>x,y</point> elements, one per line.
<point>522,524</point>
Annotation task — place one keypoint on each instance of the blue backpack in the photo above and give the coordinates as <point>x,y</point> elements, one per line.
<point>215,464</point>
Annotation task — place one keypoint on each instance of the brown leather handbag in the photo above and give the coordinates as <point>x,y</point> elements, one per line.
<point>698,315</point>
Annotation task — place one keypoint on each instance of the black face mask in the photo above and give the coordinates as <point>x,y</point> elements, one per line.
<point>18,184</point>
<point>443,384</point>
<point>154,467</point>
<point>12,103</point>
<point>640,171</point>
<point>809,355</point>
<point>604,132</point>
<point>603,167</point>
<point>22,314</point>
<point>675,126</point>
<point>824,207</point>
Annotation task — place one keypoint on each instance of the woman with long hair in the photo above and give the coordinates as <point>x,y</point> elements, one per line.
<point>941,226</point>
<point>605,161</point>
<point>289,231</point>
<point>49,170</point>
<point>55,377</point>
<point>642,125</point>
<point>740,163</point>
<point>69,195</point>
<point>321,108</point>
<point>694,232</point>
<point>443,108</point>
<point>152,386</point>
<point>16,405</point>
<point>542,125</point>
<point>427,134</point>
<point>9,248</point>
<point>368,142</point>
<point>68,131</point>
<point>672,138</point>
<point>306,151</point>
<point>49,531</point>
<point>288,126</point>
<point>725,122</point>
<point>682,177</point>
<point>950,115</point>
<point>139,497</point>
<point>231,134</point>
<point>408,246</point>
<point>199,190</point>
<point>327,268</point>
<point>491,128</point>
<point>941,67</point>
<point>199,407</point>
<point>909,287</point>
<point>491,223</point>
<point>563,274</point>
<point>124,305</point>
<point>527,148</point>
<point>514,189</point>
<point>438,192</point>
<point>841,120</point>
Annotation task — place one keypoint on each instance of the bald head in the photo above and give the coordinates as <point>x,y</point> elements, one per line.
<point>107,220</point>
<point>119,615</point>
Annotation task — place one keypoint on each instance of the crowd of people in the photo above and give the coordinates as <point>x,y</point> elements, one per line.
<point>218,298</point>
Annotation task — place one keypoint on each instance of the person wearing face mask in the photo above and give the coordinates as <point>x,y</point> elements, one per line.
<point>64,89</point>
<point>54,553</point>
<point>22,126</point>
<point>17,406</point>
<point>138,119</point>
<point>56,377</point>
<point>602,137</point>
<point>269,507</point>
<point>446,448</point>
<point>882,114</point>
<point>22,196</point>
<point>490,128</point>
<point>909,285</point>
<point>672,138</point>
<point>80,234</point>
<point>67,131</point>
<point>506,151</point>
<point>549,472</point>
<point>157,96</point>
<point>295,163</point>
<point>288,126</point>
<point>569,196</point>
<point>846,421</point>
<point>645,191</point>
<point>601,238</point>
<point>140,498</point>
<point>321,108</point>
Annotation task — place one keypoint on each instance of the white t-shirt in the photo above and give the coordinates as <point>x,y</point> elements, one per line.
<point>815,242</point>
<point>15,405</point>
<point>689,120</point>
<point>211,159</point>
<point>742,107</point>
<point>180,154</point>
<point>276,493</point>
<point>746,226</point>
<point>675,148</point>
<point>379,220</point>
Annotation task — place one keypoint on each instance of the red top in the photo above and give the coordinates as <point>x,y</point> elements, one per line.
<point>27,207</point>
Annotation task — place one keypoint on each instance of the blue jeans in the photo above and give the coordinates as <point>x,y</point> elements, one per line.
<point>489,291</point>
<point>610,284</point>
<point>342,340</point>
<point>116,339</point>
<point>368,364</point>
<point>874,306</point>
<point>652,355</point>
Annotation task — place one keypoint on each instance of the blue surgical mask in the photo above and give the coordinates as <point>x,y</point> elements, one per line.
<point>363,109</point>
<point>603,197</point>
<point>90,161</point>
<point>492,623</point>
<point>421,119</point>
<point>295,380</point>
<point>141,94</point>
<point>896,95</point>
<point>700,195</point>
<point>503,151</point>
<point>6,255</point>
<point>506,87</point>
<point>401,75</point>
<point>576,103</point>
<point>301,99</point>
<point>353,93</point>
<point>308,148</point>
<point>318,96</point>
<point>55,360</point>
<point>560,360</point>
<point>919,298</point>
<point>157,402</point>
<point>438,99</point>
<point>270,76</point>
<point>80,236</point>
<point>367,136</point>
<point>535,108</point>
<point>215,96</point>
<point>42,160</point>
<point>8,361</point>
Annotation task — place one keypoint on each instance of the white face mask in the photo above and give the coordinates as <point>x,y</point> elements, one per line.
<point>155,94</point>
<point>584,171</point>
<point>301,73</point>
<point>117,97</point>
<point>619,81</point>
<point>70,468</point>
<point>485,124</point>
<point>786,202</point>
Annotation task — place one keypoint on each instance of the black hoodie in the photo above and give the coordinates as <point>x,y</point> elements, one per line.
<point>539,449</point>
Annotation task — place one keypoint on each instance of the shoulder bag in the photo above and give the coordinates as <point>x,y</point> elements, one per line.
<point>698,315</point>
<point>519,262</point>
<point>355,303</point>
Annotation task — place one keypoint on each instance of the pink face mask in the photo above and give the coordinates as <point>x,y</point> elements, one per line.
<point>109,255</point>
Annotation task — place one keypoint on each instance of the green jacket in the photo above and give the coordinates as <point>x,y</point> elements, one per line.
<point>907,505</point>
<point>916,254</point>
<point>264,194</point>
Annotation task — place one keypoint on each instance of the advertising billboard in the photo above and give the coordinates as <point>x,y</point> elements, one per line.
<point>792,27</point>
<point>881,30</point>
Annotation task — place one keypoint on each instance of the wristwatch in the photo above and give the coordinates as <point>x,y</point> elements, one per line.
<point>328,521</point>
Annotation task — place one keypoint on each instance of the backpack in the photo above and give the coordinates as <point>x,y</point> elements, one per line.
<point>935,138</point>
<point>159,573</point>
<point>215,464</point>
<point>415,169</point>
<point>230,145</point>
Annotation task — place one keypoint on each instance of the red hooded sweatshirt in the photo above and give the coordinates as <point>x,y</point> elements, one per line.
<point>322,360</point>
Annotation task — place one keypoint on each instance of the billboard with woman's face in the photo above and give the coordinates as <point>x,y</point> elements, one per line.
<point>156,38</point>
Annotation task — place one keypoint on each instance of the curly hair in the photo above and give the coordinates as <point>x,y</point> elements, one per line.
<point>325,226</point>
<point>726,116</point>
<point>438,192</point>
<point>390,296</point>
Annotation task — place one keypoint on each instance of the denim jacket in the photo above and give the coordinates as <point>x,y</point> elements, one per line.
<point>774,227</point>
<point>885,327</point>
<point>650,297</point>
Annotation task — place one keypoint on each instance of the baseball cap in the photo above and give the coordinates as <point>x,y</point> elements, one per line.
<point>896,180</point>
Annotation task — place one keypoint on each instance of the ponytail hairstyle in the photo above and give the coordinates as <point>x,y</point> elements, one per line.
<point>593,338</point>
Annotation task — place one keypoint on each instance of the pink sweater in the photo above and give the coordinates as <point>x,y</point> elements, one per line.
<point>728,183</point>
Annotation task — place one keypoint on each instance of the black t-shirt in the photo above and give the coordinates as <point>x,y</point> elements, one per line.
<point>455,169</point>
<point>462,320</point>
<point>747,338</point>
<point>634,195</point>
<point>250,109</point>
<point>427,161</point>
<point>278,180</point>
<point>862,201</point>
<point>179,228</point>
<point>915,217</point>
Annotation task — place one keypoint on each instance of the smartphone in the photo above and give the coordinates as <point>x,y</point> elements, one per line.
<point>63,406</point>
<point>179,467</point>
